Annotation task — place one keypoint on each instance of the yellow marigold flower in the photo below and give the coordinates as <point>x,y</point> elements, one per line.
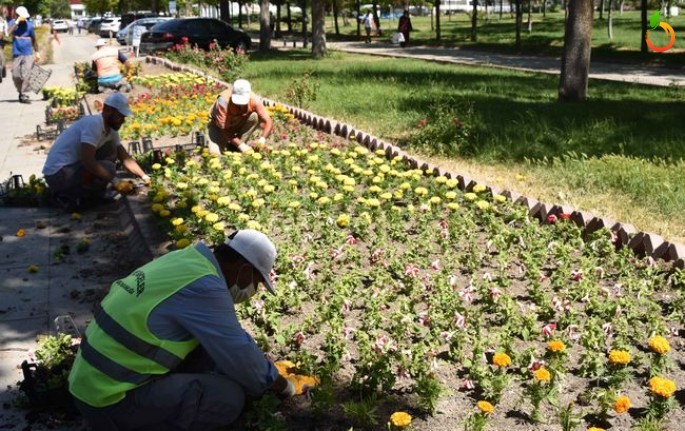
<point>421,191</point>
<point>659,345</point>
<point>556,346</point>
<point>75,216</point>
<point>470,196</point>
<point>450,195</point>
<point>400,419</point>
<point>622,404</point>
<point>177,221</point>
<point>595,429</point>
<point>156,167</point>
<point>501,360</point>
<point>165,213</point>
<point>294,204</point>
<point>181,228</point>
<point>499,198</point>
<point>182,243</point>
<point>619,357</point>
<point>542,375</point>
<point>452,183</point>
<point>483,205</point>
<point>343,220</point>
<point>485,407</point>
<point>478,188</point>
<point>212,218</point>
<point>220,226</point>
<point>33,269</point>
<point>662,387</point>
<point>157,208</point>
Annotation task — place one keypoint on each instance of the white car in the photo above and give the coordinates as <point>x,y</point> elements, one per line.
<point>110,25</point>
<point>60,25</point>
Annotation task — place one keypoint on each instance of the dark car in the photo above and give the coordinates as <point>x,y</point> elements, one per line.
<point>129,17</point>
<point>195,31</point>
<point>94,25</point>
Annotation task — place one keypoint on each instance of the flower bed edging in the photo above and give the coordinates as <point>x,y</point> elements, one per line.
<point>642,243</point>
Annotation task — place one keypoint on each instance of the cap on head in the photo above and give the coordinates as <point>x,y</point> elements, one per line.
<point>119,102</point>
<point>100,42</point>
<point>22,12</point>
<point>258,250</point>
<point>240,94</point>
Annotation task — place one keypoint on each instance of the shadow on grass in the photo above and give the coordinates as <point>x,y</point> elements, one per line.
<point>515,116</point>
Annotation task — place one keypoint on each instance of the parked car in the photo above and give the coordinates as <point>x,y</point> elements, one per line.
<point>125,35</point>
<point>196,31</point>
<point>109,25</point>
<point>60,25</point>
<point>129,17</point>
<point>94,25</point>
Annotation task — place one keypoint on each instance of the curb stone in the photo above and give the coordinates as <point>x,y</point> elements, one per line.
<point>642,243</point>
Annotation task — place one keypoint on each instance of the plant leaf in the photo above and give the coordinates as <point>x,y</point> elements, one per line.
<point>654,20</point>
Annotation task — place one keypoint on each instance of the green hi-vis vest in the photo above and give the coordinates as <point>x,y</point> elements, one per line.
<point>118,352</point>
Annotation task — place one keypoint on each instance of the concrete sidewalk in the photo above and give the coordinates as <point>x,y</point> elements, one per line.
<point>67,282</point>
<point>658,76</point>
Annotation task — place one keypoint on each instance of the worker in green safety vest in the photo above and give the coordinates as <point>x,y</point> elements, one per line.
<point>166,350</point>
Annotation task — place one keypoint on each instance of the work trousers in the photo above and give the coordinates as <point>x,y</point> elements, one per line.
<point>21,70</point>
<point>73,181</point>
<point>186,400</point>
<point>220,140</point>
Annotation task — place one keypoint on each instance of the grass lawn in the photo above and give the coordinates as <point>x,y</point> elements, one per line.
<point>618,155</point>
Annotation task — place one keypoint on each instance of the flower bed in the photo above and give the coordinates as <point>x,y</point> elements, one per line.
<point>395,286</point>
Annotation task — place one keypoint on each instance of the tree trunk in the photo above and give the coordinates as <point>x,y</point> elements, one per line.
<point>264,26</point>
<point>623,2</point>
<point>668,8</point>
<point>376,18</point>
<point>223,11</point>
<point>500,8</point>
<point>318,28</point>
<point>359,13</point>
<point>610,23</point>
<point>601,9</point>
<point>530,16</point>
<point>240,14</point>
<point>437,19</point>
<point>519,20</point>
<point>645,23</point>
<point>290,19</point>
<point>278,34</point>
<point>474,22</point>
<point>575,61</point>
<point>565,5</point>
<point>335,17</point>
<point>305,19</point>
<point>544,8</point>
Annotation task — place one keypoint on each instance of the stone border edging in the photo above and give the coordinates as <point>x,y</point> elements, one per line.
<point>649,244</point>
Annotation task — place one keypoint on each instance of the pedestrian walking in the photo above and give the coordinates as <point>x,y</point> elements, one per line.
<point>404,27</point>
<point>24,47</point>
<point>368,26</point>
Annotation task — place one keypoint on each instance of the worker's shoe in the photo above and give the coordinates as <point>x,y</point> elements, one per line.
<point>4,72</point>
<point>23,98</point>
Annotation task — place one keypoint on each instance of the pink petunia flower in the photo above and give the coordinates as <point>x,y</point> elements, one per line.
<point>548,329</point>
<point>411,270</point>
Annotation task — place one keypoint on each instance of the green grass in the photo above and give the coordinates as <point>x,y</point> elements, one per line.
<point>624,145</point>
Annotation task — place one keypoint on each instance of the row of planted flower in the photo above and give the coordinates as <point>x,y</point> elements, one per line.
<point>395,282</point>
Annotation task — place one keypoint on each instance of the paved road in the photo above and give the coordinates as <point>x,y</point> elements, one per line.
<point>658,76</point>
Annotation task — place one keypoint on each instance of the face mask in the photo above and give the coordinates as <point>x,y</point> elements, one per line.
<point>241,295</point>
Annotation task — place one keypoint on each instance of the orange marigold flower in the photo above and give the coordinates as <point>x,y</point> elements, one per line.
<point>400,419</point>
<point>501,360</point>
<point>542,375</point>
<point>485,407</point>
<point>622,404</point>
<point>595,429</point>
<point>662,387</point>
<point>619,357</point>
<point>556,346</point>
<point>659,344</point>
<point>20,233</point>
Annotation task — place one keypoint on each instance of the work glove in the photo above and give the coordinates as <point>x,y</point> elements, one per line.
<point>301,383</point>
<point>261,140</point>
<point>122,186</point>
<point>146,179</point>
<point>245,149</point>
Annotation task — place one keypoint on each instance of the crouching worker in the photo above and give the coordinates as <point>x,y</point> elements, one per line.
<point>235,115</point>
<point>81,162</point>
<point>166,350</point>
<point>106,62</point>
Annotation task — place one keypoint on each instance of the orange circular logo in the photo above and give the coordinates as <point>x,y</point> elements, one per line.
<point>669,32</point>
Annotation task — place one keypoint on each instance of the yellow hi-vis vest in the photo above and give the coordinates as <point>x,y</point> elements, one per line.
<point>119,352</point>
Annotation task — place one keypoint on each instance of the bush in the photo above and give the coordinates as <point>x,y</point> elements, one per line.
<point>450,130</point>
<point>223,62</point>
